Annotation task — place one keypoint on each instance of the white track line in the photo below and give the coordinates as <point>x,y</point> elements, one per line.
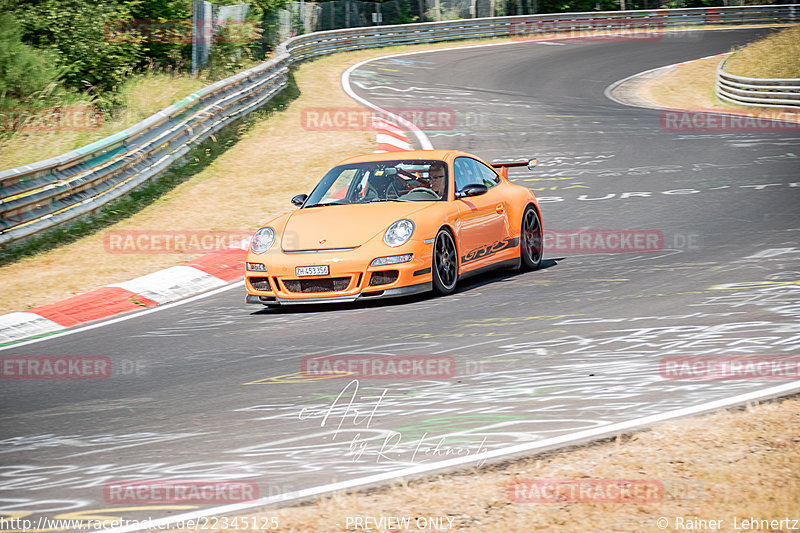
<point>571,438</point>
<point>135,314</point>
<point>423,139</point>
<point>611,429</point>
<point>610,88</point>
<point>424,142</point>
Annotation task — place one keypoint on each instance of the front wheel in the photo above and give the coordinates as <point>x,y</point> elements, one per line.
<point>445,263</point>
<point>530,240</point>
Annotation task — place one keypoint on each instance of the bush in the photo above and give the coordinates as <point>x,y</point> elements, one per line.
<point>77,31</point>
<point>27,75</point>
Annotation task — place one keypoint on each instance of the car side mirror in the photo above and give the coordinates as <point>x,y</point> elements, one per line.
<point>473,189</point>
<point>299,200</point>
<point>532,163</point>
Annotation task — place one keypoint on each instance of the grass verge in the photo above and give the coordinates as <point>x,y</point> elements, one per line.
<point>242,187</point>
<point>139,97</point>
<point>232,187</point>
<point>725,464</point>
<point>691,85</point>
<point>732,464</point>
<point>86,118</point>
<point>197,160</point>
<point>775,56</point>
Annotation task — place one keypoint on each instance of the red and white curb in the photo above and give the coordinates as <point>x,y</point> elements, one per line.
<point>389,137</point>
<point>207,272</point>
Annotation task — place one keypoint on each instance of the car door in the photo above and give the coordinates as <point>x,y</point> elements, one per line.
<point>482,227</point>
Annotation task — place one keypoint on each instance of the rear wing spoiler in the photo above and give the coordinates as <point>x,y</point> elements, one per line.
<point>503,166</point>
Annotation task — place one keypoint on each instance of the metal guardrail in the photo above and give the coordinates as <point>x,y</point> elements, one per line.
<point>45,194</point>
<point>42,195</point>
<point>758,92</point>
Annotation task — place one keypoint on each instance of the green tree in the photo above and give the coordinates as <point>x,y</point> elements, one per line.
<point>26,74</point>
<point>171,52</point>
<point>92,57</point>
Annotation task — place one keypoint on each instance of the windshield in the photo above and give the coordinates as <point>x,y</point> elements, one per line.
<point>382,181</point>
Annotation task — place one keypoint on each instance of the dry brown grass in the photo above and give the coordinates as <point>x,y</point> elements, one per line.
<point>691,86</point>
<point>741,463</point>
<point>246,186</point>
<point>775,56</point>
<point>688,86</point>
<point>140,97</point>
<point>718,466</point>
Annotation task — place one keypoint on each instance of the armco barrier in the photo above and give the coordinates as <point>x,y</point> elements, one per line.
<point>42,195</point>
<point>759,92</point>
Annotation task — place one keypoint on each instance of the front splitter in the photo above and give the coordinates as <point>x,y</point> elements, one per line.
<point>366,295</point>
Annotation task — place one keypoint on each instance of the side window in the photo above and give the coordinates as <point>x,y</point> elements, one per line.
<point>488,176</point>
<point>468,171</point>
<point>463,172</point>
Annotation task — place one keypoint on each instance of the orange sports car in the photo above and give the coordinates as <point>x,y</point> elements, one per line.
<point>393,224</point>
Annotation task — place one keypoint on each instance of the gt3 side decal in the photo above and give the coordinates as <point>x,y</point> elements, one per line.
<point>489,249</point>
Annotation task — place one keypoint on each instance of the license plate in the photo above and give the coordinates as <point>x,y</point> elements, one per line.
<point>312,271</point>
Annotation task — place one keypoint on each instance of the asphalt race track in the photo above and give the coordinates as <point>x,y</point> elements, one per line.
<point>211,389</point>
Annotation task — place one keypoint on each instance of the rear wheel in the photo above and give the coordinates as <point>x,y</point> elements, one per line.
<point>530,239</point>
<point>445,263</point>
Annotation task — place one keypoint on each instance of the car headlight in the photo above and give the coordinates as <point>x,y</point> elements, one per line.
<point>262,240</point>
<point>399,233</point>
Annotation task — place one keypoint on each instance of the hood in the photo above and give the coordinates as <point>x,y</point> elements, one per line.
<point>342,226</point>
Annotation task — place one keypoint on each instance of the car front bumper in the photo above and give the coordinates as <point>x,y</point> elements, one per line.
<point>367,295</point>
<point>350,277</point>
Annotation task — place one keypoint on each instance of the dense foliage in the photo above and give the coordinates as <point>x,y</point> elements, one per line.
<point>94,45</point>
<point>77,42</point>
<point>74,31</point>
<point>26,73</point>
